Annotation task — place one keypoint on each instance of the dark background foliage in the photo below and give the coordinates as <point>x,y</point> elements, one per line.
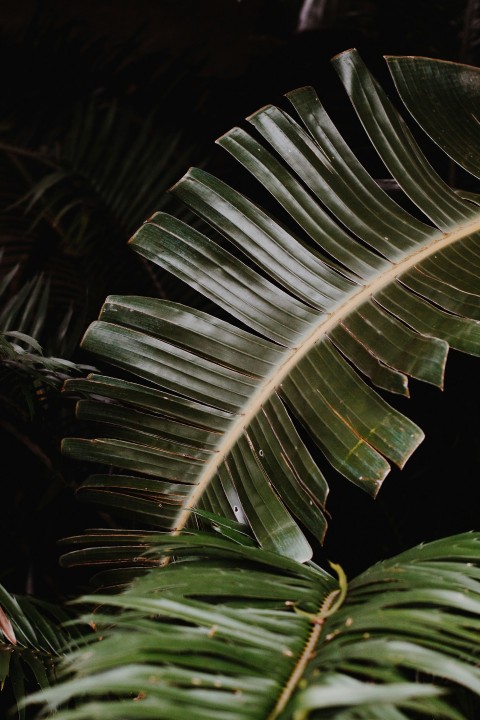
<point>106,104</point>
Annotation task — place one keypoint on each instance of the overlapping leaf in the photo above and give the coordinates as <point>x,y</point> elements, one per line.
<point>32,638</point>
<point>233,632</point>
<point>356,291</point>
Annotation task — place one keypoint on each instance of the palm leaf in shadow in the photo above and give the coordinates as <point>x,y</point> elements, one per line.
<point>85,194</point>
<point>26,371</point>
<point>361,290</point>
<point>32,639</point>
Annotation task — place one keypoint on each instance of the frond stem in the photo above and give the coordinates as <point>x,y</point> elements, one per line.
<point>318,619</point>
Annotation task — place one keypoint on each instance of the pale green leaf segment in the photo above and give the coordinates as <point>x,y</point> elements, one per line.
<point>233,632</point>
<point>355,292</point>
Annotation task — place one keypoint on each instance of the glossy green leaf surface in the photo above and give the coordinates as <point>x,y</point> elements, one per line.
<point>354,291</point>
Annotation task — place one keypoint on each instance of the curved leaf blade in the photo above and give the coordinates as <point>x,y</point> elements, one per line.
<point>315,321</point>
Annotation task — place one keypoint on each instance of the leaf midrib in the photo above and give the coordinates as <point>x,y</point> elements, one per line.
<point>305,656</point>
<point>291,358</point>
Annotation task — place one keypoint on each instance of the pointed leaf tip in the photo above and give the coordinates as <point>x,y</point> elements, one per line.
<point>6,628</point>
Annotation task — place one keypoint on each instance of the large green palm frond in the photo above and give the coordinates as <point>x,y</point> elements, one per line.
<point>353,291</point>
<point>229,631</point>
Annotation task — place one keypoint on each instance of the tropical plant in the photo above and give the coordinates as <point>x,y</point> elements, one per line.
<point>358,292</point>
<point>25,369</point>
<point>33,413</point>
<point>81,195</point>
<point>230,631</point>
<point>76,179</point>
<point>348,290</point>
<point>32,639</point>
